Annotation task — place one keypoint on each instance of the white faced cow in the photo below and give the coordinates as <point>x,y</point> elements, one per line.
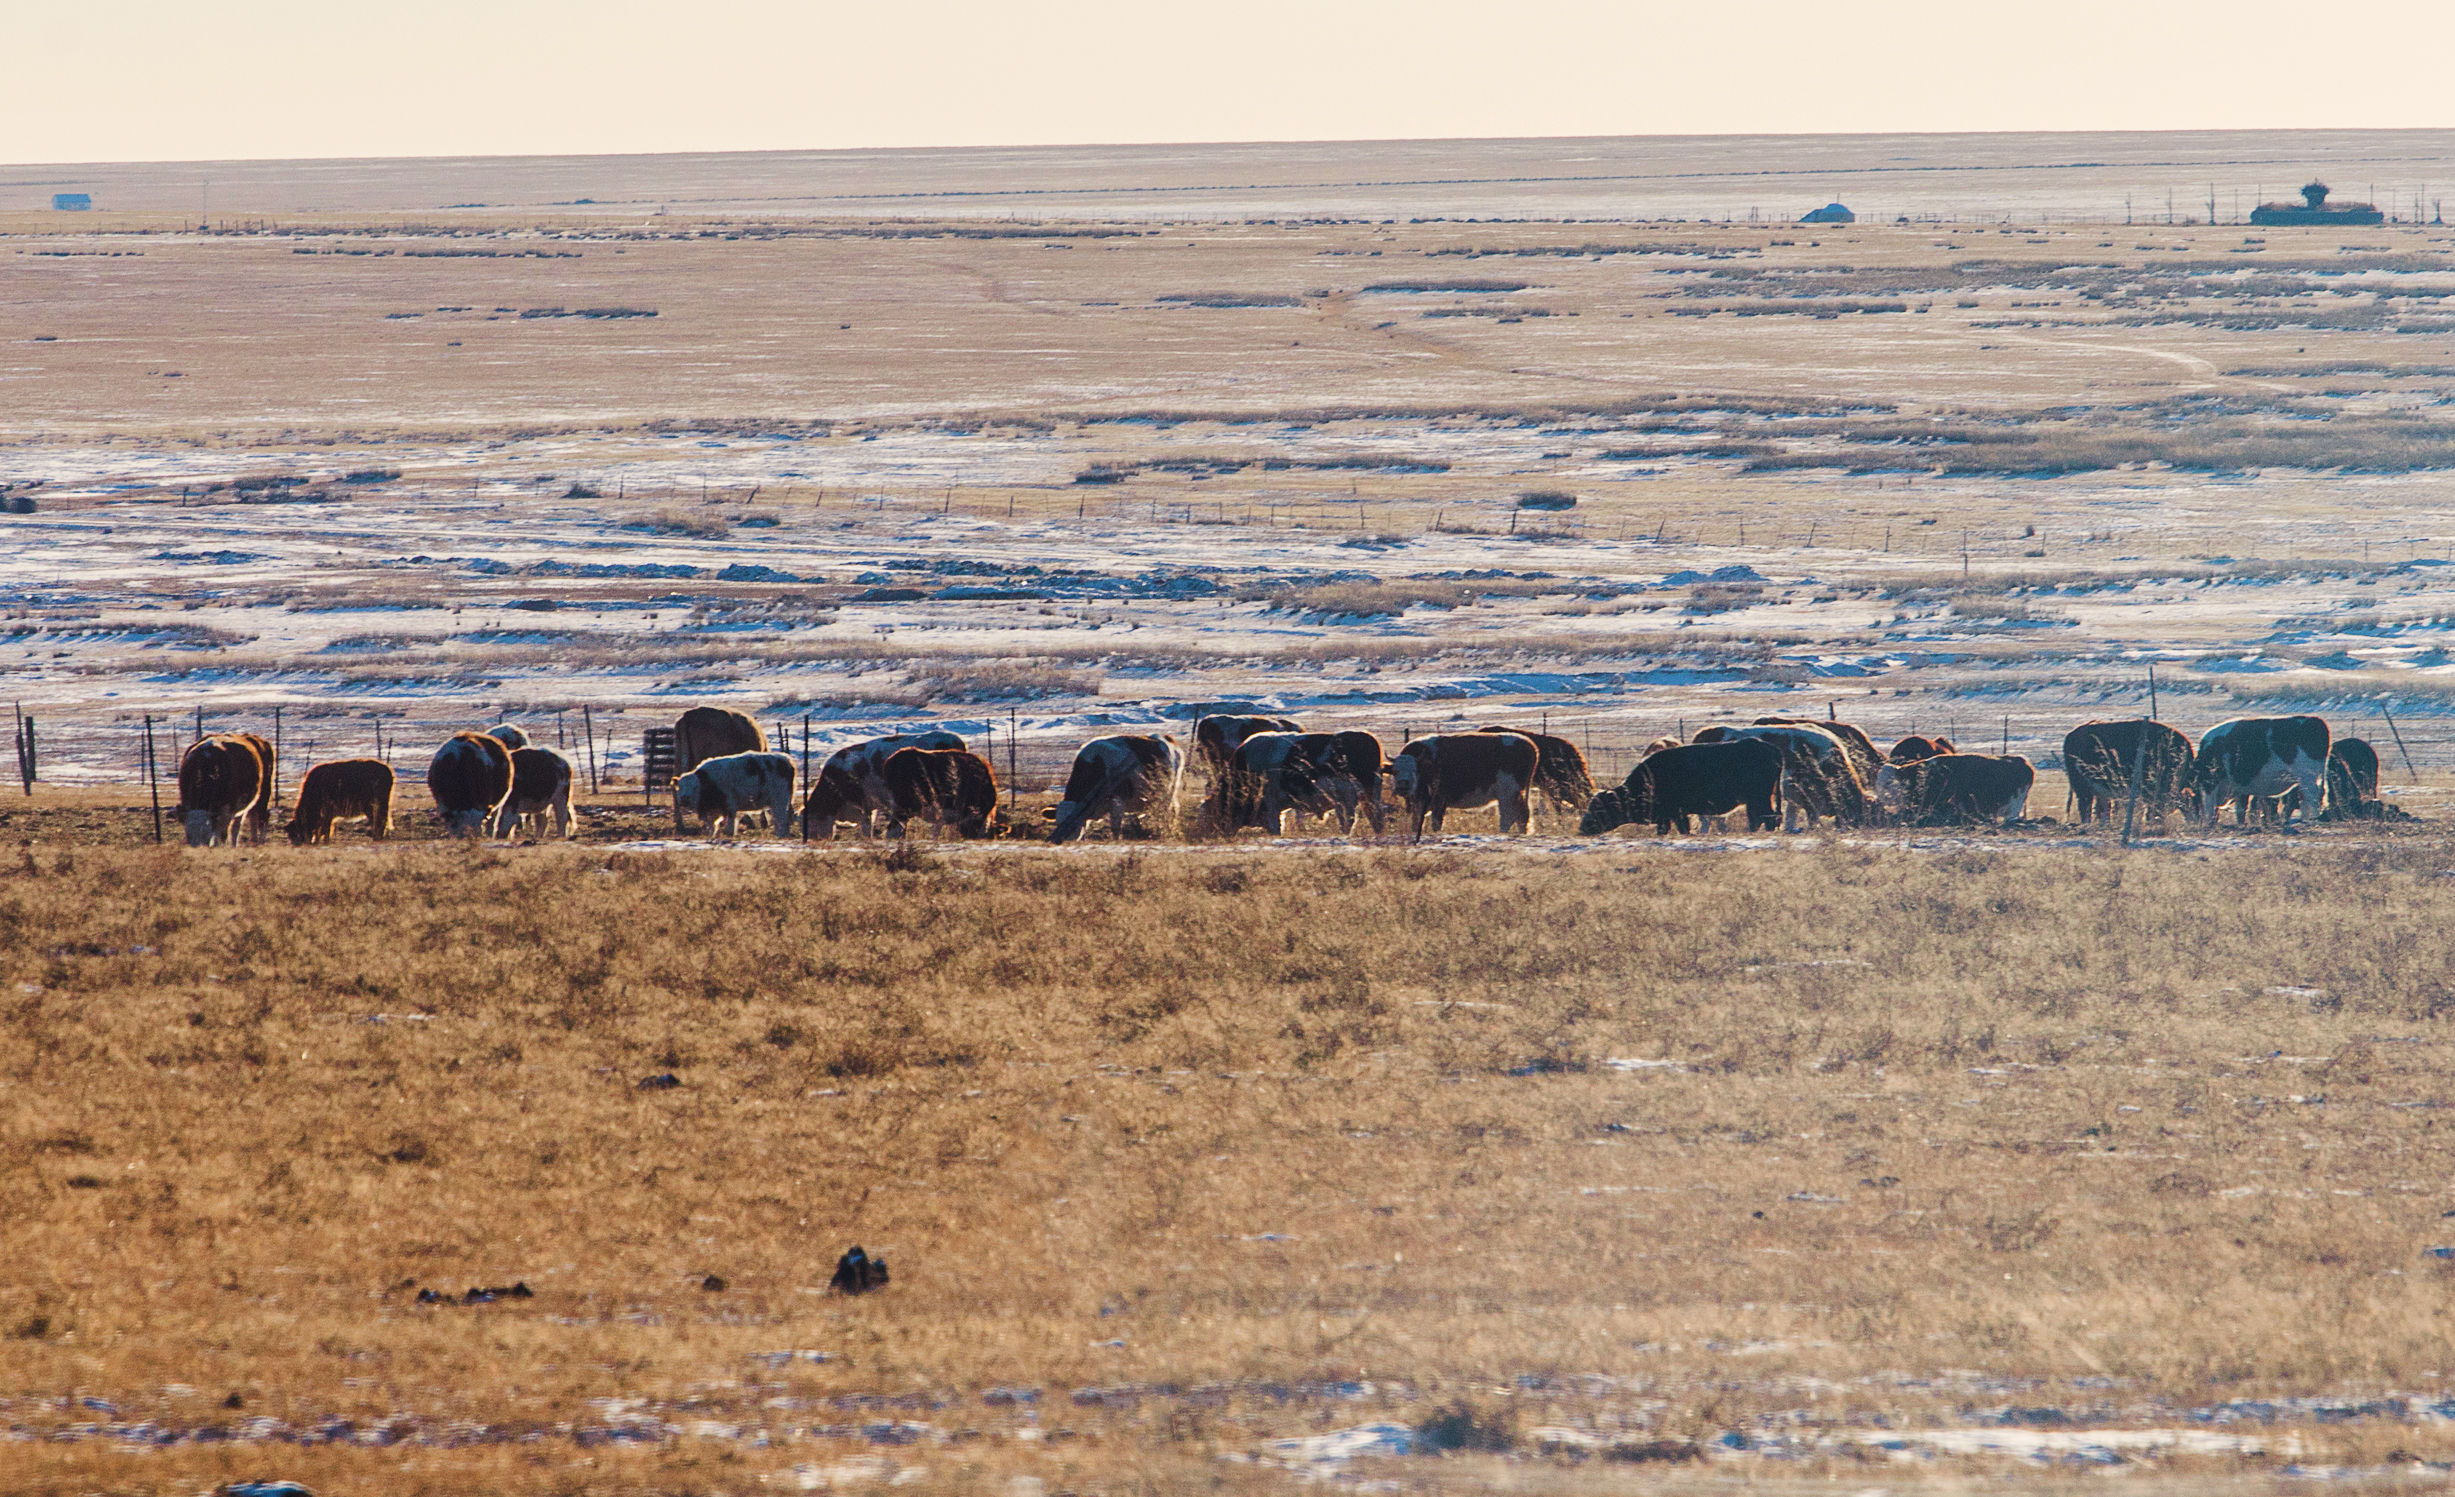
<point>2261,756</point>
<point>722,789</point>
<point>1461,771</point>
<point>1117,777</point>
<point>852,784</point>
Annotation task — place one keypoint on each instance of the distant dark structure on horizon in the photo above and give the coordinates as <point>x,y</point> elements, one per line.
<point>1831,213</point>
<point>2314,209</point>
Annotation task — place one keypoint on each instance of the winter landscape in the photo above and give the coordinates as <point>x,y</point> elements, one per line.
<point>1901,1153</point>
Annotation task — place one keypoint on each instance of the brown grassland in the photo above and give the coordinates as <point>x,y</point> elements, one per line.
<point>1177,1137</point>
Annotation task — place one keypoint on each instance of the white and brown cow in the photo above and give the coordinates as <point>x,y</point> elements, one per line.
<point>705,733</point>
<point>1462,771</point>
<point>221,779</point>
<point>1954,789</point>
<point>851,785</point>
<point>342,790</point>
<point>469,777</point>
<point>1268,776</point>
<point>540,789</point>
<point>1117,777</point>
<point>1562,775</point>
<point>2261,756</point>
<point>1216,739</point>
<point>724,789</point>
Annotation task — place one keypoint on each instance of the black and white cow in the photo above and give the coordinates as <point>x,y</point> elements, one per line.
<point>722,789</point>
<point>2258,756</point>
<point>1116,777</point>
<point>469,777</point>
<point>1693,779</point>
<point>540,789</point>
<point>852,784</point>
<point>1461,771</point>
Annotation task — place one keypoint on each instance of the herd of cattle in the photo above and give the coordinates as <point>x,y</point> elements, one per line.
<point>1263,770</point>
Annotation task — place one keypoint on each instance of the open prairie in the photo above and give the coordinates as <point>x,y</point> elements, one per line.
<point>1889,1156</point>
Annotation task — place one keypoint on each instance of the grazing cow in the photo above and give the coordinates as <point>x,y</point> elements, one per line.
<point>511,735</point>
<point>1269,775</point>
<point>1561,775</point>
<point>724,789</point>
<point>342,790</point>
<point>1914,748</point>
<point>540,787</point>
<point>221,779</point>
<point>1952,789</point>
<point>1865,757</point>
<point>1348,768</point>
<point>1693,779</point>
<point>945,787</point>
<point>260,815</point>
<point>2097,760</point>
<point>1819,777</point>
<point>2352,780</point>
<point>2255,756</point>
<point>2352,785</point>
<point>1462,771</point>
<point>1215,739</point>
<point>469,776</point>
<point>705,733</point>
<point>1116,777</point>
<point>851,785</point>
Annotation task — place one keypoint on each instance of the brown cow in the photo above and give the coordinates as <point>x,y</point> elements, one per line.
<point>1561,774</point>
<point>342,790</point>
<point>1461,771</point>
<point>705,733</point>
<point>221,779</point>
<point>946,787</point>
<point>260,815</point>
<point>469,777</point>
<point>1951,789</point>
<point>1914,748</point>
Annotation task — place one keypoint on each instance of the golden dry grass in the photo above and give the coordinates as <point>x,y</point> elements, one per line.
<point>2134,1133</point>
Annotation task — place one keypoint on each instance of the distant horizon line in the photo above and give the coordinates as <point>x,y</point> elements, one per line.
<point>1254,143</point>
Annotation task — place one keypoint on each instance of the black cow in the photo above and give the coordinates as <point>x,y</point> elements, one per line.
<point>1696,779</point>
<point>2097,759</point>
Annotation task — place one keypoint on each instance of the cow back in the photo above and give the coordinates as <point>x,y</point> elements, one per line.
<point>223,774</point>
<point>471,772</point>
<point>705,733</point>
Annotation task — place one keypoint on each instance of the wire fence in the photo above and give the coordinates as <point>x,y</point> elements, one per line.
<point>1030,755</point>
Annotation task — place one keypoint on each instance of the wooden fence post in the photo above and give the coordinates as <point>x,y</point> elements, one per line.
<point>153,778</point>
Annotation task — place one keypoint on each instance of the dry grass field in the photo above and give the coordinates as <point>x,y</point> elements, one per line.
<point>1834,1163</point>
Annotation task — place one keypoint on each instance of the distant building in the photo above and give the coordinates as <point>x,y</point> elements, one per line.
<point>72,202</point>
<point>1831,213</point>
<point>2315,209</point>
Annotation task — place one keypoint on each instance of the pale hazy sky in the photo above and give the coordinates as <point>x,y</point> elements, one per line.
<point>117,80</point>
